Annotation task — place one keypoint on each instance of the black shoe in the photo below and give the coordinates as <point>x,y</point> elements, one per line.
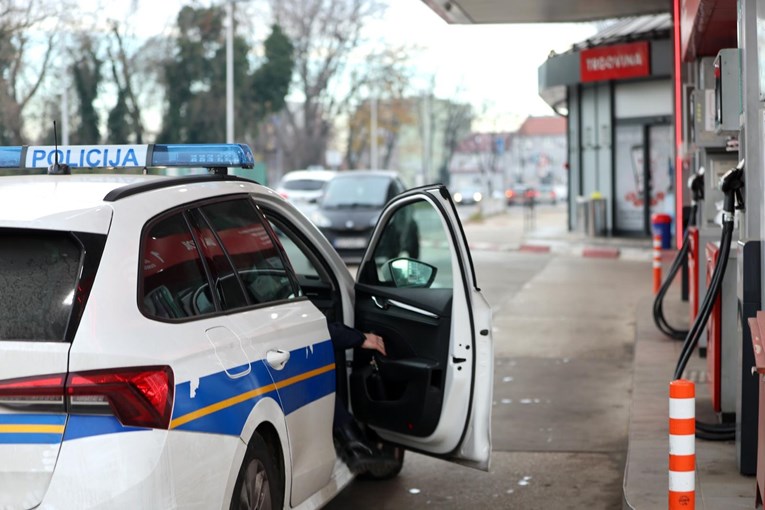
<point>357,451</point>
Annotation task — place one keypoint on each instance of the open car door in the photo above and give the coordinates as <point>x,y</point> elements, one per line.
<point>416,288</point>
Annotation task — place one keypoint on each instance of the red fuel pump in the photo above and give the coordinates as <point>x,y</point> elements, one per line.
<point>722,339</point>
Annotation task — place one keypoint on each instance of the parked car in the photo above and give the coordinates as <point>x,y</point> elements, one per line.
<point>467,196</point>
<point>351,206</point>
<point>546,194</point>
<point>520,194</point>
<point>159,348</point>
<point>304,188</point>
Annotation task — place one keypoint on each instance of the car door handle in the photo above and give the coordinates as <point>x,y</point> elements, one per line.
<point>277,358</point>
<point>404,306</point>
<point>385,304</point>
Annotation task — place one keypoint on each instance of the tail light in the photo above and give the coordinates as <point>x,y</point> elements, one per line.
<point>136,396</point>
<point>509,193</point>
<point>40,393</point>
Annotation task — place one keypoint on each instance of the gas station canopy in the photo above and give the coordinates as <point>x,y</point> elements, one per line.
<point>542,11</point>
<point>706,24</point>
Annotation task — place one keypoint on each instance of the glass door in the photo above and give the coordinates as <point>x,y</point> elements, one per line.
<point>642,189</point>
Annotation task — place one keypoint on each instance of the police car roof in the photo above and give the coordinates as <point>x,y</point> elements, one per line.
<point>79,202</point>
<point>72,202</point>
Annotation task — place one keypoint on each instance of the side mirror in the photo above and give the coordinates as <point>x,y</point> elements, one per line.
<point>406,272</point>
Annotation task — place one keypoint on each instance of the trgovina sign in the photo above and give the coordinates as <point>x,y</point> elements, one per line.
<point>615,62</point>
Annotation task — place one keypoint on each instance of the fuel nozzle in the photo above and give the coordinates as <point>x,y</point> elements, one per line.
<point>696,185</point>
<point>732,184</point>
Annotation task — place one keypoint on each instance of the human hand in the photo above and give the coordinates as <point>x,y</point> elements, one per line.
<point>374,342</point>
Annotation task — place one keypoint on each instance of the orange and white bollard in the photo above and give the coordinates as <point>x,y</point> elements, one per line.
<point>656,263</point>
<point>682,446</point>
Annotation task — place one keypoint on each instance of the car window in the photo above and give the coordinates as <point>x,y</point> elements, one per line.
<point>301,264</point>
<point>314,276</point>
<point>227,289</point>
<point>361,191</point>
<point>38,276</point>
<point>172,273</point>
<point>257,259</point>
<point>414,231</point>
<point>303,184</point>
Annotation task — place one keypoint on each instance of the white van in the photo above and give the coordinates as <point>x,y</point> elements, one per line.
<point>304,187</point>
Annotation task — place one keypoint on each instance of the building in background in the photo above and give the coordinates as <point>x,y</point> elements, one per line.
<point>616,90</point>
<point>535,154</point>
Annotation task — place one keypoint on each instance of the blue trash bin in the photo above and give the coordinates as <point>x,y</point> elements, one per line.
<point>662,225</point>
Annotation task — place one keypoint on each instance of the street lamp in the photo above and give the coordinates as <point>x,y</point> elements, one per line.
<point>230,71</point>
<point>373,158</point>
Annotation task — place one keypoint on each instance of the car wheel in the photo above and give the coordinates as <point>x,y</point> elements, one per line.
<point>258,486</point>
<point>386,473</point>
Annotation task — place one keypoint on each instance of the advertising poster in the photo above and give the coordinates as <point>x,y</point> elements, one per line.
<point>631,176</point>
<point>630,183</point>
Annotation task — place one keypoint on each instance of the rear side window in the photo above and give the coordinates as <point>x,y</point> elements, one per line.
<point>174,279</point>
<point>257,259</point>
<point>212,258</point>
<point>38,279</point>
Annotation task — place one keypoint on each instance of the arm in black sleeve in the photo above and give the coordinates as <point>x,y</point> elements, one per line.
<point>344,337</point>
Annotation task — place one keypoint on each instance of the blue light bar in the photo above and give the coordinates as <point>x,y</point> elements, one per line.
<point>202,155</point>
<point>10,157</point>
<point>129,156</point>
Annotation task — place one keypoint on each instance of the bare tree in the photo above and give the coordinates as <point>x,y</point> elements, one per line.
<point>325,33</point>
<point>386,77</point>
<point>123,69</point>
<point>456,125</point>
<point>25,58</point>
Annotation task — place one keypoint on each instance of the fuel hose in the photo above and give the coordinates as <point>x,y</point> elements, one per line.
<point>731,185</point>
<point>658,303</point>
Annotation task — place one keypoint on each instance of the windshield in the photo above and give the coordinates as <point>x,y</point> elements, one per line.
<point>357,191</point>
<point>303,184</point>
<point>38,276</point>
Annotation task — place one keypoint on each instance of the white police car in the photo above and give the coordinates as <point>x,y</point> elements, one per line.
<point>164,342</point>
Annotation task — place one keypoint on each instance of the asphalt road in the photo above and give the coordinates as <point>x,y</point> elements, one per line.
<point>563,371</point>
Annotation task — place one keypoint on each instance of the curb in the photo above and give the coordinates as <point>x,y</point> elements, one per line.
<point>535,248</point>
<point>600,252</point>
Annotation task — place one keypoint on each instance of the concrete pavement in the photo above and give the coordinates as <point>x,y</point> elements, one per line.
<point>719,486</point>
<point>581,384</point>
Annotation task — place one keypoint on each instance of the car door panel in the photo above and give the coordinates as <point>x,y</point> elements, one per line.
<point>402,392</point>
<point>432,392</point>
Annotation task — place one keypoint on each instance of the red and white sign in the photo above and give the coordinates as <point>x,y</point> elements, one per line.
<point>615,62</point>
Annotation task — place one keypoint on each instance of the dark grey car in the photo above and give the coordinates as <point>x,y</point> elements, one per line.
<point>350,207</point>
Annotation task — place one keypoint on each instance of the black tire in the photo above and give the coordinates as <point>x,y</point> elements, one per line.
<point>379,474</point>
<point>258,486</point>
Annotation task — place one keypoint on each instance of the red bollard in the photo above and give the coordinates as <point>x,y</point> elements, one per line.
<point>656,263</point>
